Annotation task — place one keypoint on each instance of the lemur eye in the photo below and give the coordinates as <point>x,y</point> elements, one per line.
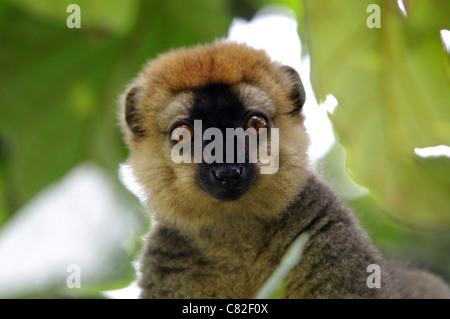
<point>182,134</point>
<point>257,122</point>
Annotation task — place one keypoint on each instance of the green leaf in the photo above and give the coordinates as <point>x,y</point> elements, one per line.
<point>116,16</point>
<point>394,96</point>
<point>275,285</point>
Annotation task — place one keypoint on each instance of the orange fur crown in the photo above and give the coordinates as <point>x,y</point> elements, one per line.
<point>220,63</point>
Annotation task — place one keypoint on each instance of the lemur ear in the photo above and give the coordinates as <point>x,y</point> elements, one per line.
<point>297,95</point>
<point>132,116</point>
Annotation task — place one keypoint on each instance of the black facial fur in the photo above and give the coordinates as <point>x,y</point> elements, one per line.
<point>217,106</point>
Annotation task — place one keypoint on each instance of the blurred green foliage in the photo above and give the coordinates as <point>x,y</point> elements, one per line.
<point>393,88</point>
<point>59,88</point>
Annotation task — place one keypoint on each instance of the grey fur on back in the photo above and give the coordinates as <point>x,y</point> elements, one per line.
<point>234,259</point>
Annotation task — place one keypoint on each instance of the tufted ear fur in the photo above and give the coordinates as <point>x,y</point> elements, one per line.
<point>297,95</point>
<point>132,116</point>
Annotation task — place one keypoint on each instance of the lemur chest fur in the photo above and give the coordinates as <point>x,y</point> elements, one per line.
<point>247,252</point>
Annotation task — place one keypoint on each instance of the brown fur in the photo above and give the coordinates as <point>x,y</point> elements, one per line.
<point>201,247</point>
<point>165,181</point>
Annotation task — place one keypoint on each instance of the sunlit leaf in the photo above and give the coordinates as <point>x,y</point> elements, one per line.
<point>116,16</point>
<point>394,96</point>
<point>275,285</point>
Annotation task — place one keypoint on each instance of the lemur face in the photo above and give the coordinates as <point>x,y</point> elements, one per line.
<point>222,108</point>
<point>219,107</point>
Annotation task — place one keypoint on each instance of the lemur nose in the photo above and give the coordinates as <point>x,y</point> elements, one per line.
<point>228,175</point>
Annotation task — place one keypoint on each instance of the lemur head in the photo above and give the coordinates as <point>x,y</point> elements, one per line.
<point>186,104</point>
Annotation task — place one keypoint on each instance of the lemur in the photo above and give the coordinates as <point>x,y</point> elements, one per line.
<point>219,229</point>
